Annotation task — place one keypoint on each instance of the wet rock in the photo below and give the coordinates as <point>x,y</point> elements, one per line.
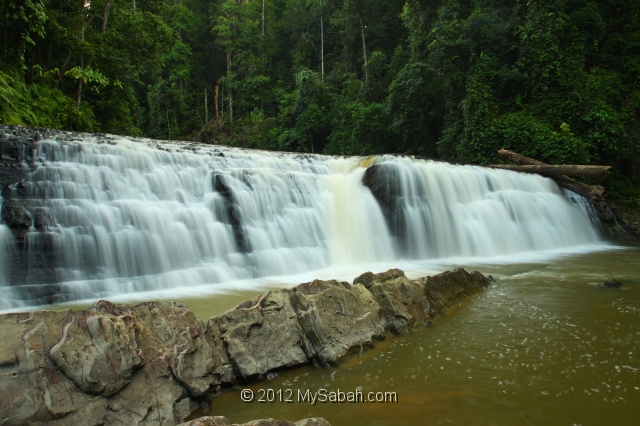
<point>156,363</point>
<point>221,185</point>
<point>33,389</point>
<point>170,331</point>
<point>223,421</point>
<point>43,219</point>
<point>337,318</point>
<point>110,364</point>
<point>262,334</point>
<point>317,321</point>
<point>208,421</point>
<point>404,303</point>
<point>448,287</point>
<point>384,183</point>
<point>611,283</point>
<point>16,216</point>
<point>98,352</point>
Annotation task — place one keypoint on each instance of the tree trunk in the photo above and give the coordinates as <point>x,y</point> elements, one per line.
<point>593,193</point>
<point>206,108</point>
<point>515,158</point>
<point>321,43</point>
<point>229,86</point>
<point>556,170</point>
<point>364,50</point>
<point>217,88</point>
<point>105,18</point>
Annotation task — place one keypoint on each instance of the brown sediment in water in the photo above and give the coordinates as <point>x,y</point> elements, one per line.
<point>126,363</point>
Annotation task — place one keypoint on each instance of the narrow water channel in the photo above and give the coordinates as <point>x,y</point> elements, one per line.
<point>545,345</point>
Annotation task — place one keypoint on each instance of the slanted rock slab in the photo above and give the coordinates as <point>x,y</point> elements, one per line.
<point>155,363</point>
<point>337,318</point>
<point>262,334</point>
<point>223,421</point>
<point>403,302</point>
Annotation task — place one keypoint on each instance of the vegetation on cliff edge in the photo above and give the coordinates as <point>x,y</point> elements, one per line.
<point>448,79</point>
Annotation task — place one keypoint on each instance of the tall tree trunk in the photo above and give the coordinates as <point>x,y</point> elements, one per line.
<point>364,49</point>
<point>206,108</point>
<point>79,88</point>
<point>105,18</point>
<point>217,88</point>
<point>229,87</point>
<point>168,123</point>
<point>321,42</point>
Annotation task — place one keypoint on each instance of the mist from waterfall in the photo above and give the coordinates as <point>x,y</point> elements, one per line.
<point>121,216</point>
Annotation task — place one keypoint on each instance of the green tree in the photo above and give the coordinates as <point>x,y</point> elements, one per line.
<point>23,23</point>
<point>415,105</point>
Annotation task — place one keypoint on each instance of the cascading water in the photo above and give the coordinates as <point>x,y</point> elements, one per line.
<point>114,216</point>
<point>7,251</point>
<point>439,210</point>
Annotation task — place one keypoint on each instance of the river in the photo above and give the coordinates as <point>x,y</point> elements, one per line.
<point>133,219</point>
<point>543,345</point>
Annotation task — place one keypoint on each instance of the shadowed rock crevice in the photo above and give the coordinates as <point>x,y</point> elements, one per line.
<point>156,363</point>
<point>232,208</point>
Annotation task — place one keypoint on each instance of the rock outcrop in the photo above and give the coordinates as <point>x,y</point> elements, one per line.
<point>611,283</point>
<point>223,421</point>
<point>156,363</point>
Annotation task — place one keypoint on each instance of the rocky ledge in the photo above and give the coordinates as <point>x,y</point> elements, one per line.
<point>156,363</point>
<point>223,421</point>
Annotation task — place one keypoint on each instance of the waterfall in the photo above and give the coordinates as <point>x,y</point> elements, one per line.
<point>115,216</point>
<point>7,252</point>
<point>440,210</point>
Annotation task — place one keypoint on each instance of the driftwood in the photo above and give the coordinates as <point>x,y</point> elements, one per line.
<point>556,170</point>
<point>593,193</point>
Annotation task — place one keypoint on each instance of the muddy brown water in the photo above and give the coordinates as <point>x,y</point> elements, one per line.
<point>544,345</point>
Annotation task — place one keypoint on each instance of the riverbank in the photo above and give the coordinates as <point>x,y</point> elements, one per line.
<point>156,363</point>
<point>546,344</point>
<point>626,226</point>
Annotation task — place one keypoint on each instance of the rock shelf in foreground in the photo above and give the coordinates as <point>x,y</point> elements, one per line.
<point>155,363</point>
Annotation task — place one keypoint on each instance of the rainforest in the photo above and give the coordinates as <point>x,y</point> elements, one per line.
<point>452,80</point>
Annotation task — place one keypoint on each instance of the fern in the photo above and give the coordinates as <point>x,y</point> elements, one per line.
<point>14,102</point>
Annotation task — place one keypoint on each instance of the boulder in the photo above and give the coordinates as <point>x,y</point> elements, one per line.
<point>150,364</point>
<point>223,421</point>
<point>98,352</point>
<point>403,302</point>
<point>155,363</point>
<point>170,331</point>
<point>262,334</point>
<point>208,421</point>
<point>337,318</point>
<point>16,216</point>
<point>32,388</point>
<point>448,287</point>
<point>611,283</point>
<point>384,183</point>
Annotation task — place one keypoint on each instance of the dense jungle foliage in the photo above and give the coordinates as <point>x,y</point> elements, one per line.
<point>447,79</point>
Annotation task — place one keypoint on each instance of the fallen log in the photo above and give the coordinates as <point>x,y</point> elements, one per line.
<point>515,158</point>
<point>593,193</point>
<point>556,170</point>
